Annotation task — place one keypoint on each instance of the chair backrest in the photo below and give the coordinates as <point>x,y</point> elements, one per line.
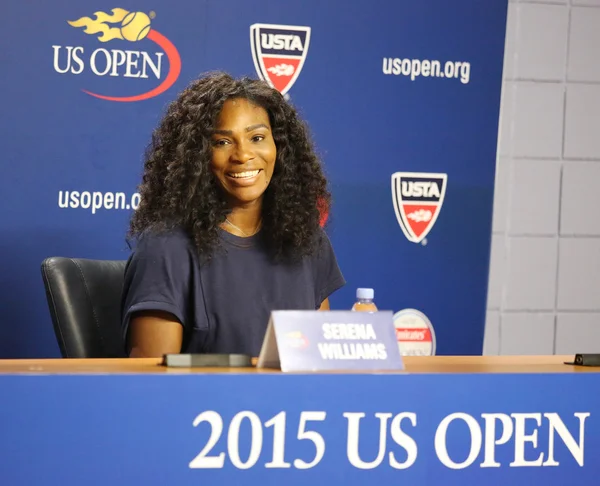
<point>84,297</point>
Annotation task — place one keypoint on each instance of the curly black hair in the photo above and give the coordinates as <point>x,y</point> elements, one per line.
<point>179,189</point>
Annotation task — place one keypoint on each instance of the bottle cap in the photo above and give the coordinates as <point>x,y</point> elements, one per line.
<point>365,293</point>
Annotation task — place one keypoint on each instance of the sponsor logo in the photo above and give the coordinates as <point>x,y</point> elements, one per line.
<point>279,52</point>
<point>414,333</point>
<point>417,199</point>
<point>130,27</point>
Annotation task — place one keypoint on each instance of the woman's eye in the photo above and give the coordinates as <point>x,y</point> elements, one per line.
<point>220,143</point>
<point>257,138</point>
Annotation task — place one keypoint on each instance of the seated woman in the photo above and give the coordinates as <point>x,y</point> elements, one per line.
<point>228,228</point>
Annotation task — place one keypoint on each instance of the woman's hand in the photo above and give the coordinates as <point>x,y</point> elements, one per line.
<point>324,305</point>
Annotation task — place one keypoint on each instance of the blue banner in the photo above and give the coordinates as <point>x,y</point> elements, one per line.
<point>263,429</point>
<point>402,99</point>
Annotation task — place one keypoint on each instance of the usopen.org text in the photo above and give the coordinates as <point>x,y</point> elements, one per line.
<point>414,68</point>
<point>96,200</point>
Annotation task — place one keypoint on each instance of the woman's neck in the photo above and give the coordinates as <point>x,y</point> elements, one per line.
<point>244,220</point>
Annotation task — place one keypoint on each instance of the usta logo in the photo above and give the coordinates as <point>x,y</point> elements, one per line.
<point>126,26</point>
<point>279,52</point>
<point>417,198</point>
<point>281,41</point>
<point>420,189</point>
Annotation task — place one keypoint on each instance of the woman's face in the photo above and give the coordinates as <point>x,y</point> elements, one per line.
<point>243,151</point>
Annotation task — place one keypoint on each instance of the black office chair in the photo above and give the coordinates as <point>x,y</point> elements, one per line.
<point>84,297</point>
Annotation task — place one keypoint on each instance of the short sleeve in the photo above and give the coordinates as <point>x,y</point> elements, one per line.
<point>158,277</point>
<point>328,276</point>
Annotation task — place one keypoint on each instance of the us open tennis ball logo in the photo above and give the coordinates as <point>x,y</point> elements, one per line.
<point>119,24</point>
<point>135,26</point>
<point>119,60</point>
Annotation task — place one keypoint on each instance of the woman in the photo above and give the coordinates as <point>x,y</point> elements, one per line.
<point>228,225</point>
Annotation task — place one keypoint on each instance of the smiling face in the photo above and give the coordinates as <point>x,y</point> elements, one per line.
<point>243,151</point>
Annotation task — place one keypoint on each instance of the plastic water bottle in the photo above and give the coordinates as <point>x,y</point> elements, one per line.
<point>364,301</point>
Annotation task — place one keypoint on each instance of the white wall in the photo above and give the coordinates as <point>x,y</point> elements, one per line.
<point>544,292</point>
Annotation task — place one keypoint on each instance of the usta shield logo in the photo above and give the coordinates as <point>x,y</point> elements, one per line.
<point>417,199</point>
<point>279,52</point>
<point>133,27</point>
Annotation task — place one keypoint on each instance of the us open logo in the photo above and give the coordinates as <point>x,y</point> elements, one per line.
<point>279,52</point>
<point>417,199</point>
<point>126,30</point>
<point>296,340</point>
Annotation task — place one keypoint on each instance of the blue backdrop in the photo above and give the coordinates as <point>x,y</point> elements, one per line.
<point>369,87</point>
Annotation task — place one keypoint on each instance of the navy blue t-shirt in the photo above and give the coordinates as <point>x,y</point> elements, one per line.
<point>224,304</point>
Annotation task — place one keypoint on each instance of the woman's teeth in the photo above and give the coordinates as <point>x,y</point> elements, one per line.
<point>244,175</point>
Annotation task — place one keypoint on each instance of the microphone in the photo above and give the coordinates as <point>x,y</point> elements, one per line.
<point>586,360</point>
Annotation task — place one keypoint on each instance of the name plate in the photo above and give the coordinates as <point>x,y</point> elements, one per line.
<point>330,340</point>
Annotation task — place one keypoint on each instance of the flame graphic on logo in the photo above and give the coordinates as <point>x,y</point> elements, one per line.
<point>100,25</point>
<point>134,26</point>
<point>297,340</point>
